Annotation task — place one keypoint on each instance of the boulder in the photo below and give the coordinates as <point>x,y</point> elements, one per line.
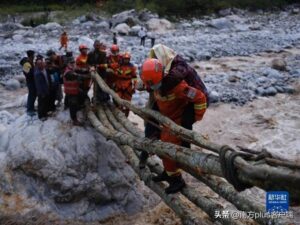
<point>225,12</point>
<point>146,15</point>
<point>12,85</point>
<point>129,17</point>
<point>295,10</point>
<point>203,56</point>
<point>186,25</point>
<point>213,97</point>
<point>158,25</point>
<point>235,19</point>
<point>221,23</point>
<point>255,26</point>
<point>52,26</point>
<point>69,172</point>
<point>103,25</point>
<point>122,28</point>
<point>279,64</point>
<point>197,24</point>
<point>49,26</point>
<point>20,78</point>
<point>272,73</point>
<point>82,19</point>
<point>270,91</point>
<point>11,26</point>
<point>18,37</point>
<point>88,24</point>
<point>134,31</point>
<point>85,40</point>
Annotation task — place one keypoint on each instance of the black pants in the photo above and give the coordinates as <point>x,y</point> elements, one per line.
<point>187,120</point>
<point>31,96</point>
<point>52,98</point>
<point>73,103</point>
<point>152,42</point>
<point>143,41</point>
<point>43,106</point>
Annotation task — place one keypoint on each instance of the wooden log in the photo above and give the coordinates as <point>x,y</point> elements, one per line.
<point>227,191</point>
<point>219,185</point>
<point>114,121</point>
<point>264,176</point>
<point>204,203</point>
<point>174,201</point>
<point>102,116</point>
<point>134,130</point>
<point>144,112</point>
<point>209,163</point>
<point>207,205</point>
<point>224,189</point>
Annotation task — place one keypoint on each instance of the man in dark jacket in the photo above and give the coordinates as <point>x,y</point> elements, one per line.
<point>97,58</point>
<point>58,65</point>
<point>28,70</point>
<point>42,83</point>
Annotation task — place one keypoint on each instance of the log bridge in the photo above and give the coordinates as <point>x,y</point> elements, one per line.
<point>223,169</point>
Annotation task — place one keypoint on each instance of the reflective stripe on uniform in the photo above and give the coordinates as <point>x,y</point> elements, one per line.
<point>200,106</point>
<point>170,97</point>
<point>174,173</point>
<point>127,71</point>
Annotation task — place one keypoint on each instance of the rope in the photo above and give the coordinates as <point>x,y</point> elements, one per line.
<point>228,168</point>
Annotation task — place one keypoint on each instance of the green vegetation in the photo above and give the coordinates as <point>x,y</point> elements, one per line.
<point>182,8</point>
<point>186,8</point>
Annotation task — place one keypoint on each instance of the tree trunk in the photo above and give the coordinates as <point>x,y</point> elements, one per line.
<point>217,184</point>
<point>264,176</point>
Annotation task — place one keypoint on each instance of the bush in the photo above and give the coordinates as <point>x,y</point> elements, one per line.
<point>186,8</point>
<point>35,21</point>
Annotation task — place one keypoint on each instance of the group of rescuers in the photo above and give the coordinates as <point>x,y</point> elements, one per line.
<point>175,90</point>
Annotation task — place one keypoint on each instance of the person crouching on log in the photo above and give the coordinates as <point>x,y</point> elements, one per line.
<point>176,69</point>
<point>172,104</point>
<point>125,80</point>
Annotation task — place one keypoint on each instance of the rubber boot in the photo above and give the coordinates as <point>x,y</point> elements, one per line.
<point>161,177</point>
<point>143,159</point>
<point>176,184</point>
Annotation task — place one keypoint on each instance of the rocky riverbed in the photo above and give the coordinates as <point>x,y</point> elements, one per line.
<point>249,61</point>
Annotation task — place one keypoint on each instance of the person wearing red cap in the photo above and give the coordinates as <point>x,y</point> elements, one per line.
<point>114,61</point>
<point>125,80</point>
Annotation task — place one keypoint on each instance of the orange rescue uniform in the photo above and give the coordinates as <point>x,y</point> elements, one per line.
<point>64,41</point>
<point>173,106</point>
<point>113,62</point>
<point>124,82</point>
<point>81,64</point>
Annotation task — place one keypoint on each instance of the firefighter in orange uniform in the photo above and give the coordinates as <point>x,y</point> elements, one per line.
<point>72,90</point>
<point>82,68</point>
<point>114,61</point>
<point>172,105</point>
<point>64,41</point>
<point>125,80</point>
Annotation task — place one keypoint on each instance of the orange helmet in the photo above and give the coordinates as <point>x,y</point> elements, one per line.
<point>114,48</point>
<point>81,47</point>
<point>152,73</point>
<point>126,55</point>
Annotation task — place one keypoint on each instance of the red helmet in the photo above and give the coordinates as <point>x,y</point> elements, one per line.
<point>81,47</point>
<point>126,55</point>
<point>114,48</point>
<point>152,73</point>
